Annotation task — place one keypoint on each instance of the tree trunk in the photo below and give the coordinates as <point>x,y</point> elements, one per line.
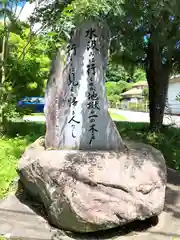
<point>158,79</point>
<point>3,119</point>
<point>3,60</point>
<point>3,53</point>
<point>158,86</point>
<point>3,76</point>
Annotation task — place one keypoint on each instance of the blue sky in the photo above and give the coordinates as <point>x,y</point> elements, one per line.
<point>22,3</point>
<point>27,10</point>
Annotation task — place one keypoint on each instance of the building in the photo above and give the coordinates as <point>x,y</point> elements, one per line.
<point>135,94</point>
<point>173,105</point>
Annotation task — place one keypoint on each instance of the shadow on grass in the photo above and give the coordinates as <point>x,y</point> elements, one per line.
<point>167,141</point>
<point>30,130</point>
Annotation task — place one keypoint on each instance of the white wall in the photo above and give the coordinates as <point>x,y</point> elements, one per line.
<point>173,92</point>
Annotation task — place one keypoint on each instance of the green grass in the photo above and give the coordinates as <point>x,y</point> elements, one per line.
<point>12,145</point>
<point>114,116</point>
<point>35,114</point>
<point>22,134</point>
<point>2,238</point>
<point>117,117</point>
<point>9,153</point>
<point>38,114</point>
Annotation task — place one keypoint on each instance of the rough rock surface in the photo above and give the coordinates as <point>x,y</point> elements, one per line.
<point>89,191</point>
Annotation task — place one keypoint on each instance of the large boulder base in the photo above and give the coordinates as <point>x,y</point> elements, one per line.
<point>86,191</point>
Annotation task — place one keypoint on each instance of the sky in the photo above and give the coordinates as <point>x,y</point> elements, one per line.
<point>26,13</point>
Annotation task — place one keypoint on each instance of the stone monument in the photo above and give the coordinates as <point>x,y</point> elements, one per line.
<point>84,174</point>
<point>78,117</point>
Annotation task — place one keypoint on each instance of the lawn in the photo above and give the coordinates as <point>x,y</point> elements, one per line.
<point>114,116</point>
<point>117,117</point>
<point>12,146</point>
<point>22,134</point>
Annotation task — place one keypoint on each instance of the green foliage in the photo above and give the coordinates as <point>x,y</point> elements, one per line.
<point>129,22</point>
<point>141,18</point>
<point>143,34</point>
<point>116,84</point>
<point>117,81</point>
<point>2,238</point>
<point>139,75</point>
<point>25,55</point>
<point>12,146</point>
<point>116,73</point>
<point>49,15</point>
<point>146,94</point>
<point>113,99</point>
<point>114,89</point>
<point>29,72</point>
<point>10,152</point>
<point>26,69</point>
<point>10,111</point>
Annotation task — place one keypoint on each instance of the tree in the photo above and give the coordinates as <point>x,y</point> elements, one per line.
<point>148,35</point>
<point>114,89</point>
<point>139,75</point>
<point>9,24</point>
<point>27,75</point>
<point>116,73</point>
<point>22,58</point>
<point>143,33</point>
<point>48,14</point>
<point>24,63</point>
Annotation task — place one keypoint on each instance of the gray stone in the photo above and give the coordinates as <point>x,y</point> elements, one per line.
<point>76,107</point>
<point>90,191</point>
<point>54,100</point>
<point>18,220</point>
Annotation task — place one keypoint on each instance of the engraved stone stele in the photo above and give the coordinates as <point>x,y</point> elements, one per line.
<point>76,107</point>
<point>90,180</point>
